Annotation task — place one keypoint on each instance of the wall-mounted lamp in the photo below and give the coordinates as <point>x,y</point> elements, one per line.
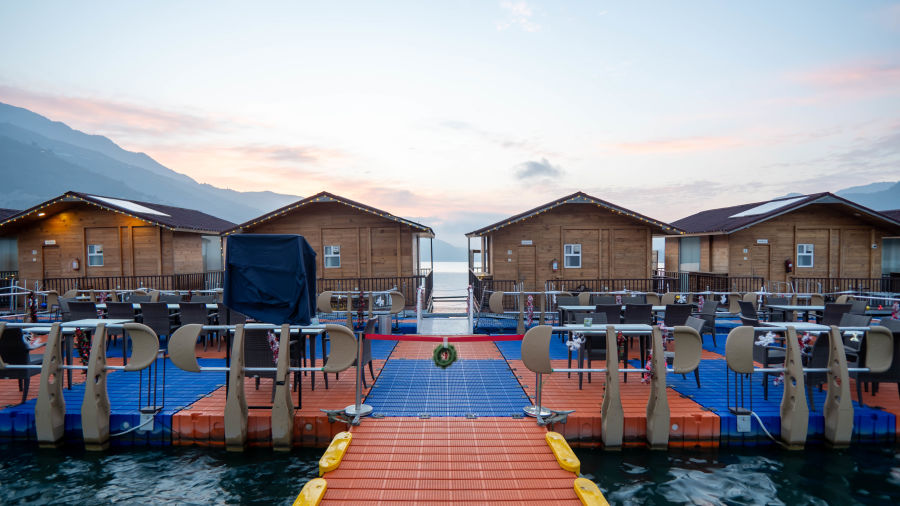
<point>42,214</point>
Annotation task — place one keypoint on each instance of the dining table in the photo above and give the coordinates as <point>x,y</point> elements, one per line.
<point>589,331</point>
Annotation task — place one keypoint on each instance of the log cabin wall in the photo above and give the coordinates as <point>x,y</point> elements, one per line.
<point>842,245</point>
<point>612,246</point>
<point>130,246</point>
<point>370,246</point>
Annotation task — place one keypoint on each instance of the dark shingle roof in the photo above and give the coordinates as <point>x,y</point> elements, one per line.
<point>731,219</point>
<point>6,213</point>
<point>174,218</point>
<point>576,198</point>
<point>329,197</point>
<point>894,213</point>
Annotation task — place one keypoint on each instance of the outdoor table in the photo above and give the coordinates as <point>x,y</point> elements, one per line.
<point>804,310</point>
<point>68,329</point>
<point>305,332</point>
<point>628,329</point>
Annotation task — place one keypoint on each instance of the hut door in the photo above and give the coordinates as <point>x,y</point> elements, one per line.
<point>526,266</point>
<point>759,261</point>
<point>51,262</point>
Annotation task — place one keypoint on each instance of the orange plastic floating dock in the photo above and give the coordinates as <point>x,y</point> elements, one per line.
<point>440,460</point>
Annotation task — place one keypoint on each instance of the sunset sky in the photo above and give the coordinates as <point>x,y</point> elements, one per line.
<point>459,113</point>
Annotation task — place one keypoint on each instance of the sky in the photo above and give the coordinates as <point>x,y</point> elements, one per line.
<point>457,114</point>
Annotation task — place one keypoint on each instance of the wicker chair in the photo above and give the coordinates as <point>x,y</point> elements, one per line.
<point>82,310</point>
<point>195,312</point>
<point>892,375</point>
<point>765,355</point>
<point>14,351</point>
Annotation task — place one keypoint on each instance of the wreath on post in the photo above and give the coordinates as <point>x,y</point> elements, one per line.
<point>444,355</point>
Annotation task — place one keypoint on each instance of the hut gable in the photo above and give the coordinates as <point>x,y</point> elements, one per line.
<point>577,237</point>
<point>352,240</point>
<point>83,235</point>
<point>807,236</point>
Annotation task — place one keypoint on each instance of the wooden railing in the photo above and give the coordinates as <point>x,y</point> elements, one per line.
<point>192,281</point>
<point>407,285</point>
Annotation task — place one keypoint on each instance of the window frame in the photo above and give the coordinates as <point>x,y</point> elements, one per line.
<point>573,254</point>
<point>93,254</point>
<point>806,250</point>
<point>329,253</point>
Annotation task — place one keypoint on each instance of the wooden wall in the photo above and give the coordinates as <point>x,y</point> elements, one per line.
<point>371,246</point>
<point>842,246</point>
<point>612,246</point>
<point>130,246</point>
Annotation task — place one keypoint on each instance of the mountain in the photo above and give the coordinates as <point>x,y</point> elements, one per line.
<point>868,188</point>
<point>444,252</point>
<point>41,159</point>
<point>879,199</point>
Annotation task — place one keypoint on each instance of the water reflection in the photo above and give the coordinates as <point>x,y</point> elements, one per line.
<point>865,475</point>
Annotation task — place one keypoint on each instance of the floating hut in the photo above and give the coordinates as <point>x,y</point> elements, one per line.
<point>78,235</point>
<point>577,237</point>
<point>817,236</point>
<point>358,247</point>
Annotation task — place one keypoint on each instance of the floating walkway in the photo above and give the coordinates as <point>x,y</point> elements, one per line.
<point>437,434</point>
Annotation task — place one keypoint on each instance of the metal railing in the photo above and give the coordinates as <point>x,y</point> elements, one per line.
<point>831,285</point>
<point>721,282</point>
<point>407,285</point>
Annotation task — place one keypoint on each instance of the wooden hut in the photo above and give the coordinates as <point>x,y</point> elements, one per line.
<point>77,235</point>
<point>357,246</point>
<point>577,237</point>
<point>808,236</point>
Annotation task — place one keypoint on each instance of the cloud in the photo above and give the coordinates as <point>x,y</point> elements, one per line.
<point>502,140</point>
<point>109,117</point>
<point>518,14</point>
<point>681,145</point>
<point>532,169</point>
<point>857,76</point>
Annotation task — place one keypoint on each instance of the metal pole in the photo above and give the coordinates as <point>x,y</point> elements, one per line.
<point>536,410</point>
<point>358,409</point>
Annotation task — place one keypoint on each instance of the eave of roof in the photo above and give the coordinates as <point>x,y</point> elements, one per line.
<point>77,197</point>
<point>576,198</point>
<point>723,226</point>
<point>329,197</point>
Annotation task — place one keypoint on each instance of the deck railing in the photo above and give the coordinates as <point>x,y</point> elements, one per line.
<point>407,285</point>
<point>191,281</point>
<point>831,285</point>
<point>722,282</point>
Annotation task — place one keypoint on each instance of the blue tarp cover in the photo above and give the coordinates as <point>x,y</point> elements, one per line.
<point>271,277</point>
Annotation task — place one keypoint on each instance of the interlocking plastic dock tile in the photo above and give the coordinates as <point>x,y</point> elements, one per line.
<point>869,424</point>
<point>467,387</point>
<point>449,460</point>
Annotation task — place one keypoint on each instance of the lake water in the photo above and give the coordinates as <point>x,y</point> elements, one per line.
<point>867,475</point>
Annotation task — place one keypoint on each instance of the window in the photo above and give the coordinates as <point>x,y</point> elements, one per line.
<point>95,255</point>
<point>332,257</point>
<point>804,255</point>
<point>689,254</point>
<point>890,256</point>
<point>572,255</point>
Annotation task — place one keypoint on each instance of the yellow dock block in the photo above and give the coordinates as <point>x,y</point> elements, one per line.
<point>589,493</point>
<point>312,493</point>
<point>563,453</point>
<point>334,453</point>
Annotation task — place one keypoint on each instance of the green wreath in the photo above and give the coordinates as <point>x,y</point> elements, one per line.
<point>444,355</point>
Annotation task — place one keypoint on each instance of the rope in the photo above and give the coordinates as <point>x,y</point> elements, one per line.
<point>472,338</point>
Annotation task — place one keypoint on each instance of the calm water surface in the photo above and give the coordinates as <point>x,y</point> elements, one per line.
<point>869,475</point>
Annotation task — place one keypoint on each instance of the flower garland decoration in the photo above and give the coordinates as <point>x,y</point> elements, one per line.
<point>723,300</point>
<point>574,343</point>
<point>32,307</point>
<point>274,344</point>
<point>700,301</point>
<point>895,311</point>
<point>360,314</point>
<point>619,300</point>
<point>83,345</point>
<point>529,311</point>
<point>806,342</point>
<point>190,294</point>
<point>647,376</point>
<point>620,344</point>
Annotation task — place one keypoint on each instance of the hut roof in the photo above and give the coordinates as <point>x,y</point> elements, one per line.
<point>577,198</point>
<point>169,217</point>
<point>726,220</point>
<point>330,197</point>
